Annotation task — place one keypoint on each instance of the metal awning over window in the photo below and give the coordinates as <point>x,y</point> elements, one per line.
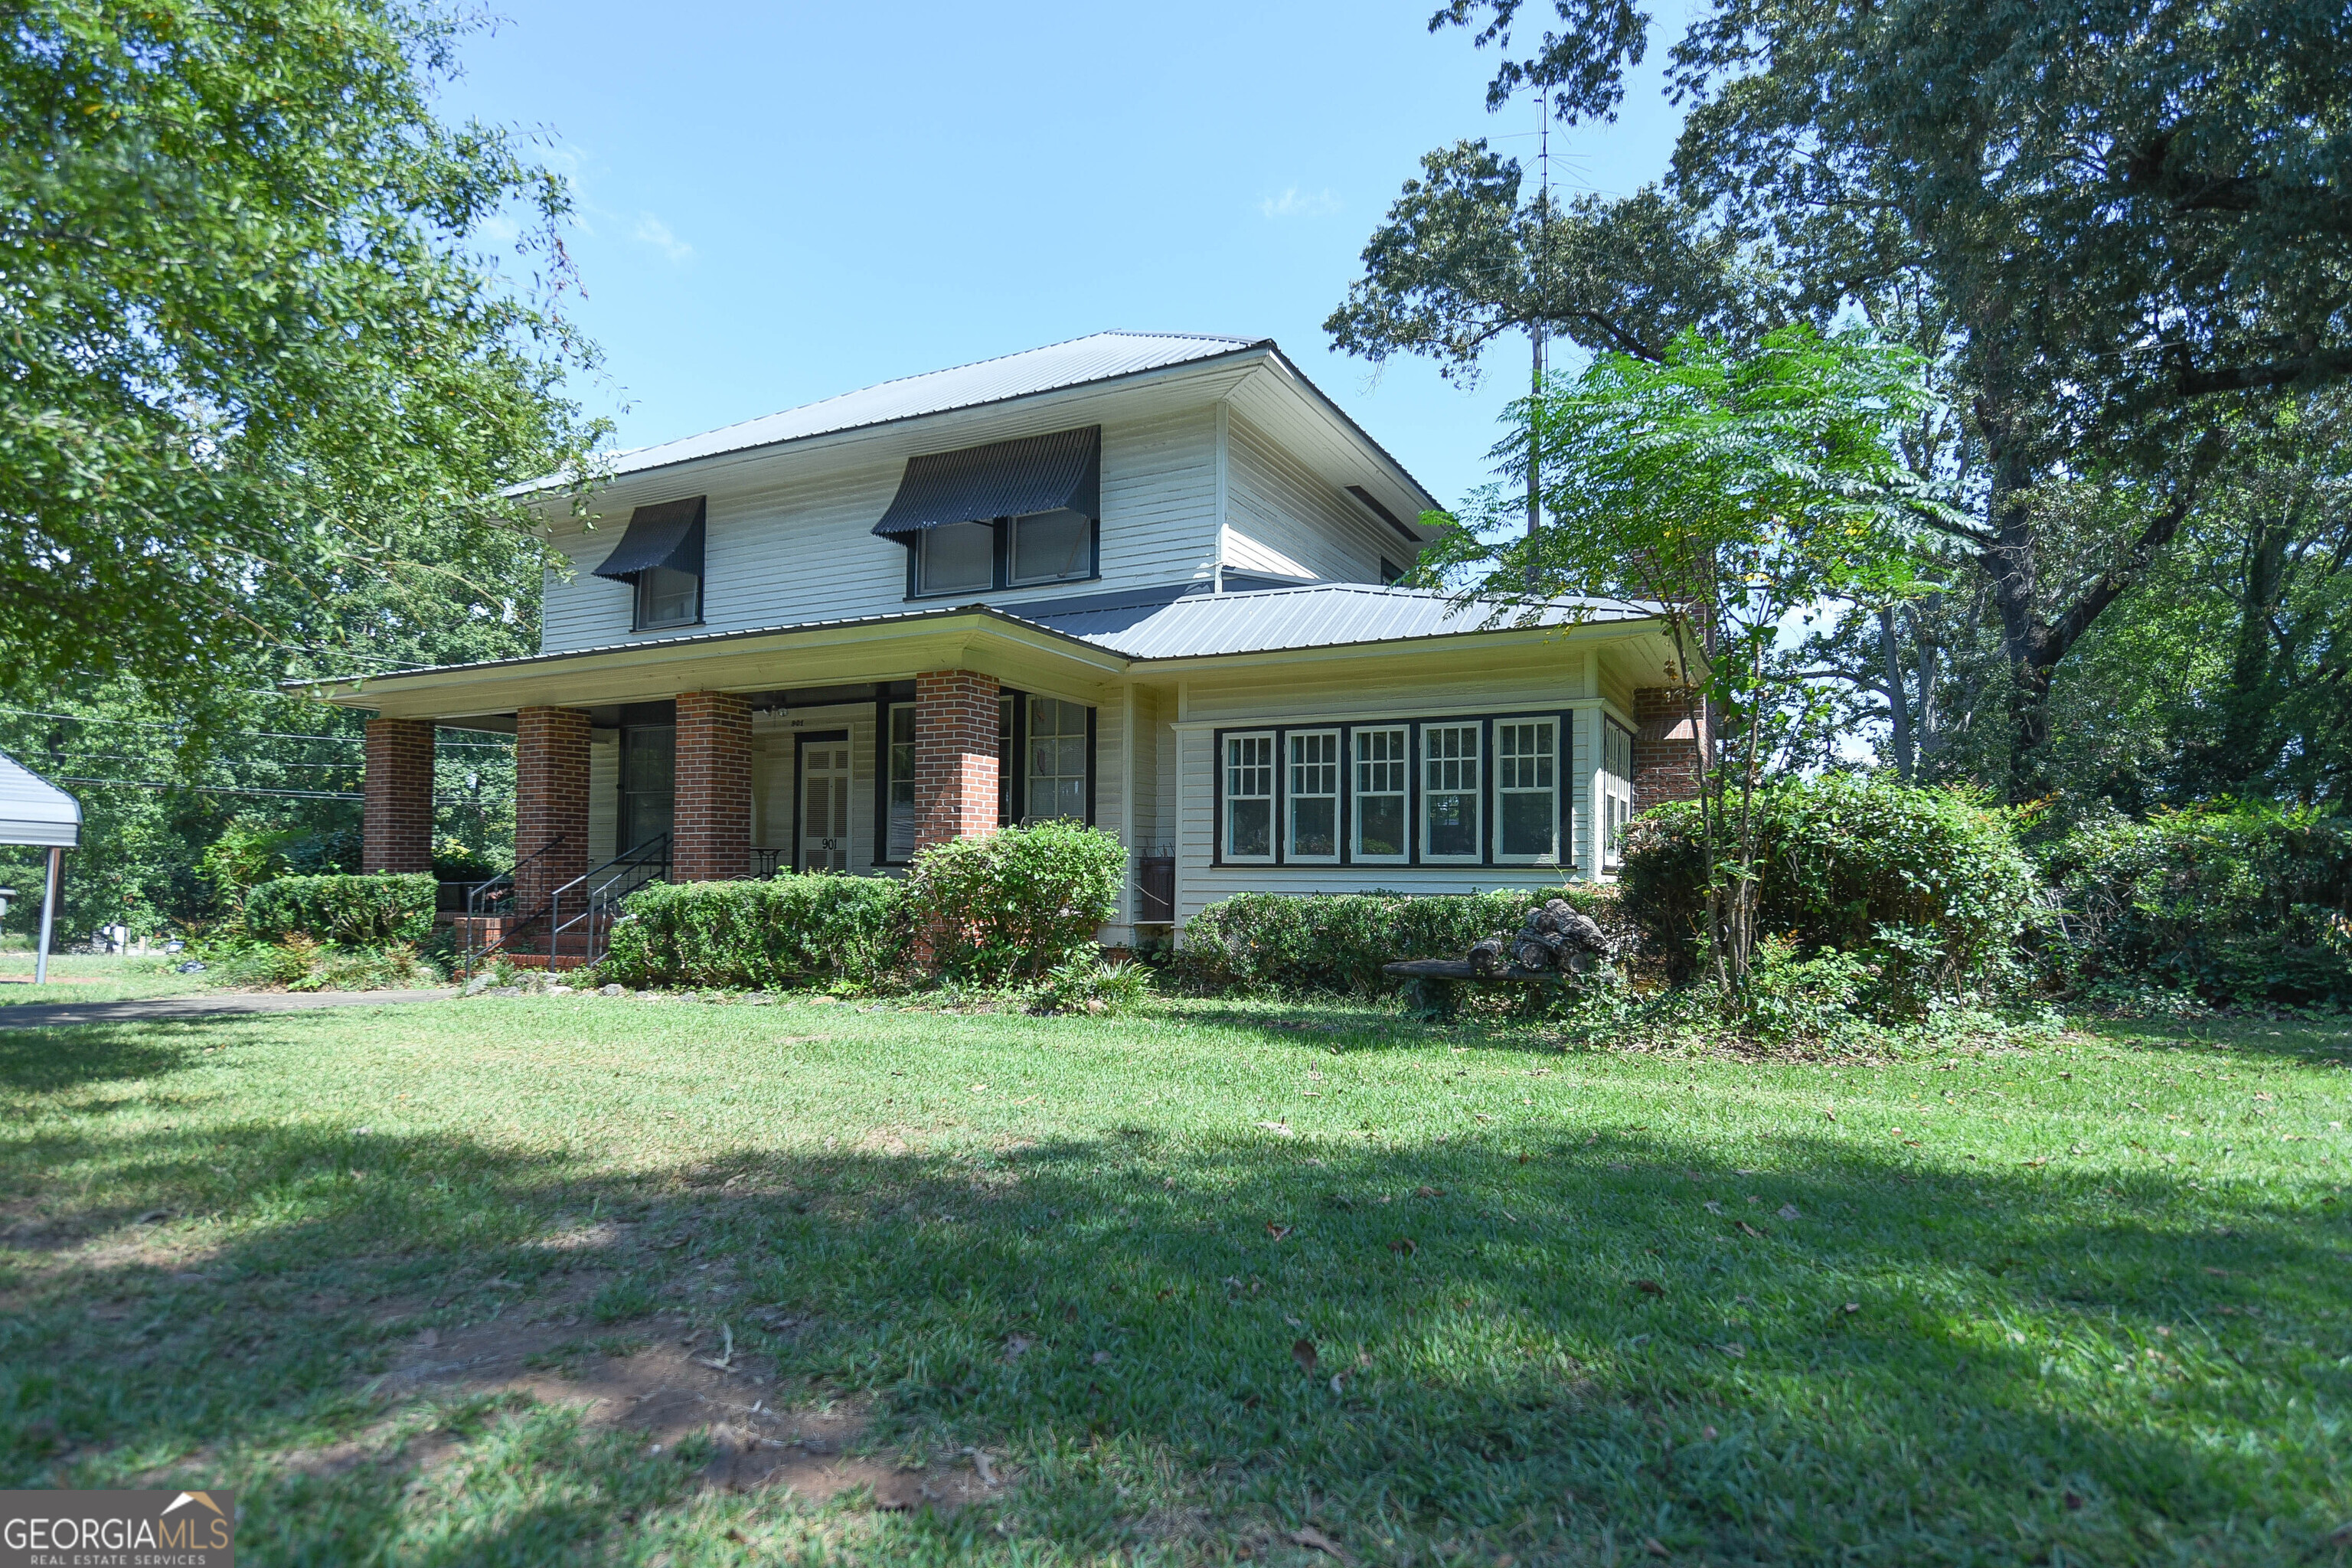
<point>1004,478</point>
<point>668,535</point>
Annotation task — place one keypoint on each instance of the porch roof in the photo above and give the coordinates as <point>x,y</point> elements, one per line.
<point>1093,638</point>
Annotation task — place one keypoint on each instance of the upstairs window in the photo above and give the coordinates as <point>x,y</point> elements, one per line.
<point>660,557</point>
<point>1051,547</point>
<point>958,558</point>
<point>668,597</point>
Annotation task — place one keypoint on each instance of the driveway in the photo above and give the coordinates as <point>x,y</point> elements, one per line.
<point>168,1009</point>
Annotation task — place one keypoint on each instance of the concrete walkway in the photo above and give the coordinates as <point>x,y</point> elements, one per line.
<point>172,1009</point>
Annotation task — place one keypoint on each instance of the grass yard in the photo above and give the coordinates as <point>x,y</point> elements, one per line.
<point>83,977</point>
<point>519,1280</point>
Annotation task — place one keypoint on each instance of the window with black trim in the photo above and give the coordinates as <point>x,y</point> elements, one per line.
<point>668,597</point>
<point>898,801</point>
<point>1449,793</point>
<point>1248,827</point>
<point>1527,791</point>
<point>955,558</point>
<point>1391,572</point>
<point>1383,766</point>
<point>1310,805</point>
<point>1057,761</point>
<point>1050,547</point>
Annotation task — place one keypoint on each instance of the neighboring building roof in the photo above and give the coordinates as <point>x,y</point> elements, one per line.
<point>1103,356</point>
<point>1188,622</point>
<point>35,811</point>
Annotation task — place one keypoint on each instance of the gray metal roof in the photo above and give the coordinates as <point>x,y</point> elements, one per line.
<point>35,811</point>
<point>1100,357</point>
<point>1188,622</point>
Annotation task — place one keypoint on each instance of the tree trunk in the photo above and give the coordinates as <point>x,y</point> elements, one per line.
<point>1898,703</point>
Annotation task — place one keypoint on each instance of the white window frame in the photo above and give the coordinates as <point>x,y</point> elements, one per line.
<point>1473,787</point>
<point>1358,767</point>
<point>891,780</point>
<point>1030,776</point>
<point>1228,771</point>
<point>1548,765</point>
<point>1616,791</point>
<point>1295,771</point>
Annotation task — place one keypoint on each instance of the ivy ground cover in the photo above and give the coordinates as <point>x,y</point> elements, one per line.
<point>514,1280</point>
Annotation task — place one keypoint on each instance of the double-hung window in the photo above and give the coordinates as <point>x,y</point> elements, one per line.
<point>1056,784</point>
<point>899,836</point>
<point>1616,789</point>
<point>1248,827</point>
<point>1527,791</point>
<point>1449,792</point>
<point>1383,764</point>
<point>1311,804</point>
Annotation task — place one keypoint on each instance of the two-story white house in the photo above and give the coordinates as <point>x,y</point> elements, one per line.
<point>1140,579</point>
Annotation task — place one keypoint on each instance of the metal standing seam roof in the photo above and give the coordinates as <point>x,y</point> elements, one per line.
<point>1198,625</point>
<point>1099,357</point>
<point>35,811</point>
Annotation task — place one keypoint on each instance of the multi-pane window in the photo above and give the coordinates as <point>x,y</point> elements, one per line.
<point>1449,792</point>
<point>1382,770</point>
<point>648,783</point>
<point>1527,790</point>
<point>1311,804</point>
<point>1005,760</point>
<point>1616,788</point>
<point>955,558</point>
<point>1249,797</point>
<point>1050,545</point>
<point>899,844</point>
<point>1057,760</point>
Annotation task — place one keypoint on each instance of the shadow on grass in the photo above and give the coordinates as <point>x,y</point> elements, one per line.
<point>1547,1346</point>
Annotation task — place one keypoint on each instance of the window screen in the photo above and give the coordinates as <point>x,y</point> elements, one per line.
<point>668,597</point>
<point>1051,545</point>
<point>1312,807</point>
<point>956,557</point>
<point>1449,792</point>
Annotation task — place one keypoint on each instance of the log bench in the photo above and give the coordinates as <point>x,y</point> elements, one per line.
<point>1434,983</point>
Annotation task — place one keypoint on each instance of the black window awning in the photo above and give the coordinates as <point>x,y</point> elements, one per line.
<point>1062,472</point>
<point>668,535</point>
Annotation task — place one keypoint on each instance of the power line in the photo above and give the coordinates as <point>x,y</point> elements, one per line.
<point>259,734</point>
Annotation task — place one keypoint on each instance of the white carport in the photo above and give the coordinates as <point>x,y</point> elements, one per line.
<point>35,811</point>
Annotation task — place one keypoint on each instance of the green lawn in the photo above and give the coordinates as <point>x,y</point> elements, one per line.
<point>536,1279</point>
<point>80,977</point>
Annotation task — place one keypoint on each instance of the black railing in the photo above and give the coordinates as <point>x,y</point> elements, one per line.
<point>580,915</point>
<point>495,900</point>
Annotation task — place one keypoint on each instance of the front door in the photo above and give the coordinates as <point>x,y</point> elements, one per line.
<point>825,803</point>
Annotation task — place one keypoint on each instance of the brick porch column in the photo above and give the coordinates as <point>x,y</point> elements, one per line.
<point>396,807</point>
<point>551,801</point>
<point>955,755</point>
<point>1668,724</point>
<point>714,787</point>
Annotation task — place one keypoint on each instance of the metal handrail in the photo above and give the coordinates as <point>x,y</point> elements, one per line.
<point>600,895</point>
<point>483,900</point>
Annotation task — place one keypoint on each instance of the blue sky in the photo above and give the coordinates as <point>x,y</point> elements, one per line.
<point>776,205</point>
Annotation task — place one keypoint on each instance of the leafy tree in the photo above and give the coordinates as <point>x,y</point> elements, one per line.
<point>257,350</point>
<point>2099,221</point>
<point>1732,490</point>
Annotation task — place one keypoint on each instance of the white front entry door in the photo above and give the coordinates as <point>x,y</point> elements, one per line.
<point>824,805</point>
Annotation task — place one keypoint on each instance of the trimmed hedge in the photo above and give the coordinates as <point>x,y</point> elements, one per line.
<point>1338,942</point>
<point>350,911</point>
<point>1925,887</point>
<point>780,934</point>
<point>2239,902</point>
<point>1010,905</point>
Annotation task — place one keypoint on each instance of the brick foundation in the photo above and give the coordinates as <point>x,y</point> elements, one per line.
<point>551,801</point>
<point>1666,745</point>
<point>396,808</point>
<point>714,787</point>
<point>956,779</point>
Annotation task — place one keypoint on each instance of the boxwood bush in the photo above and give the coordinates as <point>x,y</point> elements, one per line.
<point>782,933</point>
<point>349,911</point>
<point>1010,906</point>
<point>1338,942</point>
<point>1927,888</point>
<point>2237,903</point>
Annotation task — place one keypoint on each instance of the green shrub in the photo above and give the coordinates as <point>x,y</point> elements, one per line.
<point>1086,982</point>
<point>1338,942</point>
<point>2236,902</point>
<point>781,934</point>
<point>301,962</point>
<point>350,911</point>
<point>1009,906</point>
<point>1927,888</point>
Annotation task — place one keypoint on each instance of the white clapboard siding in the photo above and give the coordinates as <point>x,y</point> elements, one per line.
<point>1281,518</point>
<point>790,536</point>
<point>1445,681</point>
